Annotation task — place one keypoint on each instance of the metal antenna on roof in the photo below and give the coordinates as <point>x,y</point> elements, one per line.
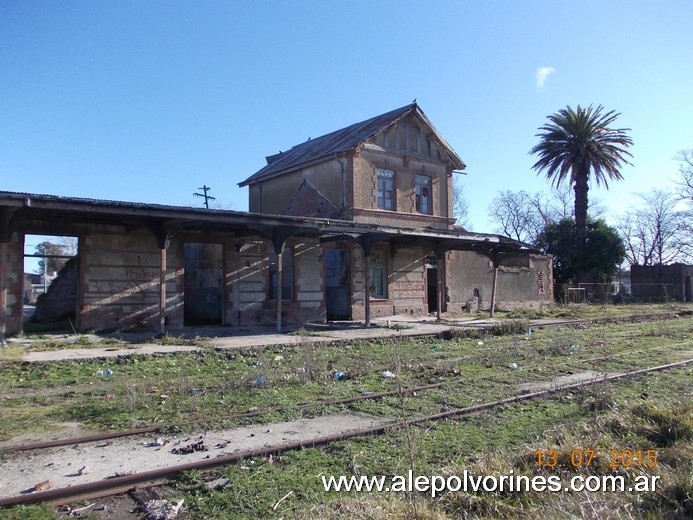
<point>205,188</point>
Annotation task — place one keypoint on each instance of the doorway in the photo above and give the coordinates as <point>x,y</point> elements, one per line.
<point>432,288</point>
<point>50,283</point>
<point>203,282</point>
<point>337,284</point>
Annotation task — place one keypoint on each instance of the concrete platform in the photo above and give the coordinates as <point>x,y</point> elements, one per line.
<point>253,337</point>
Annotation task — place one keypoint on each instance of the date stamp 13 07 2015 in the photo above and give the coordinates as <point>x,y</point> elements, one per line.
<point>586,457</point>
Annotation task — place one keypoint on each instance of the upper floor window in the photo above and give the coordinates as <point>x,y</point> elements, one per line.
<point>423,194</point>
<point>386,189</point>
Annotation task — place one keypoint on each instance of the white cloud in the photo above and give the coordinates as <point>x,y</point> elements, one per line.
<point>542,75</point>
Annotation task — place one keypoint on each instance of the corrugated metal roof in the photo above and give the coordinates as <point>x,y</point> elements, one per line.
<point>340,141</point>
<point>75,209</point>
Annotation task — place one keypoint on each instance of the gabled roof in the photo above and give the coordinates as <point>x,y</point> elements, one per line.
<point>307,201</point>
<point>315,150</point>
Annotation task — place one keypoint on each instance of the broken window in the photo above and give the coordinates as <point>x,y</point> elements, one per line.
<point>378,276</point>
<point>386,189</point>
<point>287,274</point>
<point>423,194</point>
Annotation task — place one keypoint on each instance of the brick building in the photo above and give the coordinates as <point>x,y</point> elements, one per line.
<point>394,169</point>
<point>354,224</point>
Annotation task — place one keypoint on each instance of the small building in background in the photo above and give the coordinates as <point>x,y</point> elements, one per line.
<point>670,282</point>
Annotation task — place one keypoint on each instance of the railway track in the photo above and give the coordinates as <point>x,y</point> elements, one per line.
<point>121,483</point>
<point>106,436</point>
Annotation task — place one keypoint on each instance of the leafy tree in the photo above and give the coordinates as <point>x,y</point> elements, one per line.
<point>605,250</point>
<point>50,265</point>
<point>577,146</point>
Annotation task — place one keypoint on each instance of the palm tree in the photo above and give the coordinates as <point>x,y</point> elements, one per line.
<point>574,146</point>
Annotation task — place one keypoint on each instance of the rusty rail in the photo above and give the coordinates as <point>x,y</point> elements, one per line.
<point>105,487</point>
<point>151,429</point>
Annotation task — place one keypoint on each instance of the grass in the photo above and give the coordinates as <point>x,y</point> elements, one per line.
<point>495,442</point>
<point>652,411</point>
<point>227,382</point>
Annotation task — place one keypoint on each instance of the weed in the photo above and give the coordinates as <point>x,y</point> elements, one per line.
<point>11,352</point>
<point>36,512</point>
<point>508,328</point>
<point>304,333</point>
<point>665,426</point>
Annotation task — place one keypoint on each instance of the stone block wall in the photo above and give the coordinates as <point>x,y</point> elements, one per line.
<point>119,280</point>
<point>13,275</point>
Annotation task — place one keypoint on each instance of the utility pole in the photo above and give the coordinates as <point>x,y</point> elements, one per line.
<point>205,188</point>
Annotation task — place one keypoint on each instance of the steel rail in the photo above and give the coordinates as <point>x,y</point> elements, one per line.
<point>151,429</point>
<point>106,486</point>
<point>105,436</point>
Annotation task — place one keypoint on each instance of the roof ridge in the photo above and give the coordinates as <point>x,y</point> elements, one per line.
<point>327,144</point>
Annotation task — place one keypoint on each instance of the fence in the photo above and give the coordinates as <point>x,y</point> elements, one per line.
<point>615,292</point>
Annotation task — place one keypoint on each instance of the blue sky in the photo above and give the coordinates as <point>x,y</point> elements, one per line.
<point>147,101</point>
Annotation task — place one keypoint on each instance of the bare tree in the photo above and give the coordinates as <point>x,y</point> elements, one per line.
<point>655,231</point>
<point>555,206</point>
<point>685,194</point>
<point>523,216</point>
<point>686,183</point>
<point>517,214</point>
<point>460,204</point>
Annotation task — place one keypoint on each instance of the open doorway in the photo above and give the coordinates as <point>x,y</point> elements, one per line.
<point>337,284</point>
<point>432,288</point>
<point>204,276</point>
<point>432,283</point>
<point>50,285</point>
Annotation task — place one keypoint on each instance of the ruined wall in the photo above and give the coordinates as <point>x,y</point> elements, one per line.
<point>13,276</point>
<point>119,279</point>
<point>406,289</point>
<point>523,281</point>
<point>60,302</point>
<point>408,282</point>
<point>309,290</point>
<point>246,279</point>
